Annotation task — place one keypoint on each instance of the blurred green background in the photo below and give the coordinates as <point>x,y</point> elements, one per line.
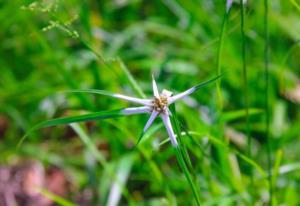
<point>49,46</point>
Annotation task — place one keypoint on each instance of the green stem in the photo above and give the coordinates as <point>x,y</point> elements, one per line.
<point>245,86</point>
<point>182,155</point>
<point>186,172</point>
<point>266,63</point>
<point>220,49</point>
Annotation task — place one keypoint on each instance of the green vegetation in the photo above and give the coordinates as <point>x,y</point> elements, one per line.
<point>238,135</point>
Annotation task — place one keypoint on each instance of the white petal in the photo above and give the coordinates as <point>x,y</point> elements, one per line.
<point>146,102</point>
<point>166,93</point>
<point>181,95</point>
<point>228,5</point>
<point>167,123</point>
<point>154,87</point>
<point>135,110</point>
<point>150,120</point>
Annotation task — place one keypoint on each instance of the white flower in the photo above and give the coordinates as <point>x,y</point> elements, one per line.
<point>230,2</point>
<point>158,106</point>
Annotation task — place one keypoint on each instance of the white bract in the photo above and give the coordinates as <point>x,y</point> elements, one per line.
<point>230,2</point>
<point>158,106</point>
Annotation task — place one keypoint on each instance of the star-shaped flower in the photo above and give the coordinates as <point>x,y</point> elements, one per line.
<point>158,106</point>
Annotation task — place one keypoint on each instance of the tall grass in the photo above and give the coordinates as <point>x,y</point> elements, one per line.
<point>245,86</point>
<point>266,91</point>
<point>232,137</point>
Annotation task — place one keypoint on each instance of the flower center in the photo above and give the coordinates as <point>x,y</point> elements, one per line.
<point>160,103</point>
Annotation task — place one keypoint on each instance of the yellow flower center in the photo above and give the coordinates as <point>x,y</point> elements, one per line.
<point>160,103</point>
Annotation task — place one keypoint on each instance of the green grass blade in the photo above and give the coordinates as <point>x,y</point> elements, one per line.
<point>91,91</point>
<point>99,157</point>
<point>294,2</point>
<point>236,114</point>
<point>55,198</point>
<point>275,174</point>
<point>266,76</point>
<point>207,155</point>
<point>175,123</point>
<point>245,84</point>
<point>207,82</point>
<point>140,138</point>
<point>244,157</point>
<point>182,159</point>
<point>122,173</point>
<point>131,80</point>
<point>187,174</point>
<point>220,49</point>
<point>73,119</point>
<point>218,142</point>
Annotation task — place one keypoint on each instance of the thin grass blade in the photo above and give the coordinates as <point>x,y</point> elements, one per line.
<point>111,94</point>
<point>207,82</point>
<point>73,119</point>
<point>187,174</point>
<point>182,162</point>
<point>55,198</point>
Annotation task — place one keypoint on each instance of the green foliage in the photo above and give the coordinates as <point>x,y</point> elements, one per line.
<point>53,46</point>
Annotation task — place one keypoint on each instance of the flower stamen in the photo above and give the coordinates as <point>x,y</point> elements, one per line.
<point>160,103</point>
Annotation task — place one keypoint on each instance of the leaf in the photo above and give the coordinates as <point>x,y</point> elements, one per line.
<point>122,171</point>
<point>68,120</point>
<point>55,198</point>
<point>220,143</point>
<point>295,4</point>
<point>100,158</point>
<point>93,91</point>
<point>131,79</point>
<point>233,115</point>
<point>183,158</point>
<point>140,138</point>
<point>187,174</point>
<point>207,82</point>
<point>242,156</point>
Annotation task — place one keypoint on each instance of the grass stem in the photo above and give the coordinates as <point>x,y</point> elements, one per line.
<point>245,86</point>
<point>220,49</point>
<point>266,71</point>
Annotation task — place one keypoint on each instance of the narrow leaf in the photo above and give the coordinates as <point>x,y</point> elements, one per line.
<point>187,174</point>
<point>207,82</point>
<point>131,79</point>
<point>68,120</point>
<point>233,115</point>
<point>140,138</point>
<point>115,95</point>
<point>55,198</point>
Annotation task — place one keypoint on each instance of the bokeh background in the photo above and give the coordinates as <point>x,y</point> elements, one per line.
<point>50,46</point>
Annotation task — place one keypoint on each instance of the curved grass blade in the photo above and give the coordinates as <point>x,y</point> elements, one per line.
<point>177,128</point>
<point>246,87</point>
<point>187,174</point>
<point>242,156</point>
<point>266,101</point>
<point>73,119</point>
<point>140,138</point>
<point>294,2</point>
<point>183,158</point>
<point>115,95</point>
<point>220,52</point>
<point>218,142</point>
<point>99,157</point>
<point>207,82</point>
<point>236,114</point>
<point>92,91</point>
<point>56,198</point>
<point>131,79</point>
